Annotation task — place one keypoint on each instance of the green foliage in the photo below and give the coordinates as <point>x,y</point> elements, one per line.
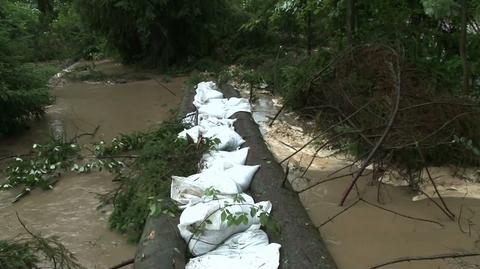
<point>33,39</point>
<point>67,38</point>
<point>440,8</point>
<point>24,39</point>
<point>146,189</point>
<point>17,255</point>
<point>196,78</point>
<point>468,144</point>
<point>159,32</point>
<point>45,163</point>
<point>237,218</point>
<point>36,251</point>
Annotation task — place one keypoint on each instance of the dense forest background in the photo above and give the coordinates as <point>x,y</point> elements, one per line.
<point>311,52</point>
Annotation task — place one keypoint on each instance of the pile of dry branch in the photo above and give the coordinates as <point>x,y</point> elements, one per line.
<point>374,103</point>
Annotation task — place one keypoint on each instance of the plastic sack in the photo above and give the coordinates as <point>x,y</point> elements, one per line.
<point>206,91</point>
<point>234,105</point>
<point>208,122</point>
<point>224,108</point>
<point>224,159</point>
<point>242,175</point>
<point>229,139</point>
<point>189,190</point>
<point>189,118</point>
<point>186,192</point>
<point>213,108</point>
<point>195,133</point>
<point>210,178</point>
<point>201,225</point>
<point>246,250</point>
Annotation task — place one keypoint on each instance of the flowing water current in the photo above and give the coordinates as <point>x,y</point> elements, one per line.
<point>69,211</point>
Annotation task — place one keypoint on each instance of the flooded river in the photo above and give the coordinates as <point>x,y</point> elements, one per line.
<point>70,209</point>
<point>366,235</point>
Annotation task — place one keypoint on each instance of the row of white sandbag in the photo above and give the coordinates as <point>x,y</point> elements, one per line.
<point>201,226</point>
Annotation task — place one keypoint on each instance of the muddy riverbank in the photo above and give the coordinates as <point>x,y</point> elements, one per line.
<point>70,209</point>
<point>366,235</point>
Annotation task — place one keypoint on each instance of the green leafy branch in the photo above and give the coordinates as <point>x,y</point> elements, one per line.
<point>36,252</point>
<point>236,218</point>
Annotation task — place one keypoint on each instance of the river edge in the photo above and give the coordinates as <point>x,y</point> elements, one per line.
<point>388,236</point>
<point>69,211</point>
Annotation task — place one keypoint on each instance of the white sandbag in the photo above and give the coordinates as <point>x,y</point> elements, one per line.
<point>205,91</point>
<point>224,159</point>
<point>195,133</point>
<point>213,108</point>
<point>229,139</point>
<point>246,250</point>
<point>242,175</point>
<point>210,178</point>
<point>202,228</point>
<point>234,105</point>
<point>189,119</point>
<point>252,237</point>
<point>185,192</point>
<point>208,122</point>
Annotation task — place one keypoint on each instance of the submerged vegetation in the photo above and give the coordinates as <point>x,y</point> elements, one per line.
<point>35,251</point>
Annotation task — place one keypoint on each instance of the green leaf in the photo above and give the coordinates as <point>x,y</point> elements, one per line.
<point>253,211</point>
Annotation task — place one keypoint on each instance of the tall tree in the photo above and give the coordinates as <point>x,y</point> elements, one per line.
<point>449,9</point>
<point>463,48</point>
<point>46,9</point>
<point>350,21</point>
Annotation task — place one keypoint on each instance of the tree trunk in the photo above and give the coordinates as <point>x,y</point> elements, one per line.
<point>463,49</point>
<point>46,11</point>
<point>350,7</point>
<point>309,32</point>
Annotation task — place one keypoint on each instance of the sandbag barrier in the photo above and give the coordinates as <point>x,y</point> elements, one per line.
<point>234,246</point>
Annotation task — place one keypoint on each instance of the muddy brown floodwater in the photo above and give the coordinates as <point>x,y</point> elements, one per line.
<point>70,209</point>
<point>366,235</point>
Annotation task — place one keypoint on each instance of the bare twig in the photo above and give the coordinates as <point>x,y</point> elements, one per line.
<point>401,214</point>
<point>329,179</point>
<point>382,138</point>
<point>165,87</point>
<point>324,132</point>
<point>448,212</point>
<point>437,204</point>
<point>338,214</point>
<point>276,116</point>
<point>426,258</point>
<point>123,264</point>
<point>92,134</point>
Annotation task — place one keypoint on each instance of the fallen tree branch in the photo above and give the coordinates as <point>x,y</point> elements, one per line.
<point>276,116</point>
<point>123,264</point>
<point>329,179</point>
<point>447,211</point>
<point>92,134</point>
<point>426,258</point>
<point>338,214</point>
<point>165,87</point>
<point>401,214</point>
<point>382,138</point>
<point>324,132</point>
